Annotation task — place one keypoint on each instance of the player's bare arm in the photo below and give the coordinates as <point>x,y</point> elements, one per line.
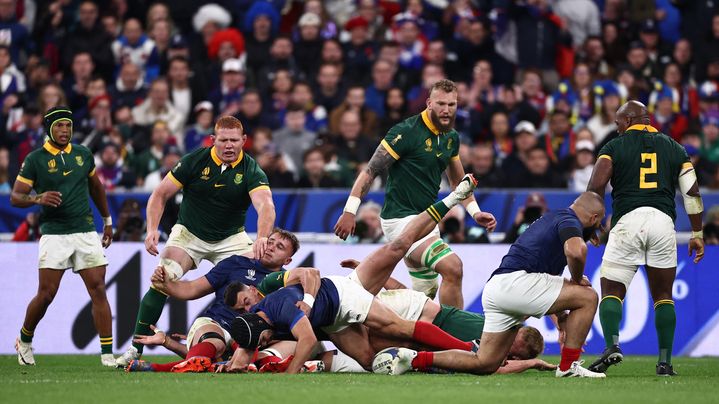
<point>379,163</point>
<point>183,290</point>
<point>689,188</point>
<point>601,175</point>
<point>160,338</point>
<point>519,366</point>
<point>21,198</point>
<point>155,206</point>
<point>576,251</point>
<point>306,340</point>
<point>265,207</point>
<point>455,173</point>
<point>310,280</point>
<point>97,193</point>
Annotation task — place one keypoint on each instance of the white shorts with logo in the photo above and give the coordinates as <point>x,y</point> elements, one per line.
<point>77,251</point>
<point>203,321</point>
<point>355,303</point>
<point>508,299</point>
<point>407,303</point>
<point>198,249</point>
<point>392,228</point>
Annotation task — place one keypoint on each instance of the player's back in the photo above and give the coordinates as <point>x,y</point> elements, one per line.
<point>646,165</point>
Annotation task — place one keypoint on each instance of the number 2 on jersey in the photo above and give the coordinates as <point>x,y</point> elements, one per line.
<point>652,169</point>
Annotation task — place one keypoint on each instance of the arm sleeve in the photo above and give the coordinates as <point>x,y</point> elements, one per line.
<point>568,227</point>
<point>454,147</point>
<point>272,282</point>
<point>218,275</point>
<point>607,151</point>
<point>90,160</point>
<point>27,173</point>
<point>180,174</point>
<point>396,142</point>
<point>258,180</point>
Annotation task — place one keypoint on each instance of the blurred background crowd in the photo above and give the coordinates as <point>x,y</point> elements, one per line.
<point>317,84</point>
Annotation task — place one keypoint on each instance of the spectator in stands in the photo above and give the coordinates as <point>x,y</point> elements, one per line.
<point>517,109</point>
<point>476,45</point>
<point>649,35</point>
<point>129,89</point>
<point>277,166</point>
<point>98,123</point>
<point>281,58</point>
<point>417,95</point>
<point>583,166</point>
<point>51,95</point>
<point>199,134</point>
<point>328,28</point>
<point>483,165</point>
<point>541,173</point>
<point>411,42</point>
<point>226,98</point>
<point>328,91</point>
<point>368,228</point>
<point>75,85</point>
<point>395,110</point>
<point>151,159</point>
<point>161,33</point>
<point>705,170</point>
<point>252,113</point>
<point>170,157</point>
<point>157,107</point>
<point>594,55</point>
<point>359,52</point>
<point>525,139</point>
<point>437,55</point>
<point>293,138</point>
<point>581,17</point>
<point>308,44</point>
<point>260,26</point>
<point>184,91</point>
<point>710,136</point>
<point>607,101</point>
<point>281,90</point>
<point>111,171</point>
<point>683,56</point>
<point>5,187</point>
<point>313,173</point>
<point>331,54</point>
<point>376,92</point>
<point>88,36</point>
<point>355,101</point>
<point>29,229</point>
<point>665,112</point>
<point>15,35</point>
<point>615,43</point>
<point>560,140</point>
<point>315,115</point>
<point>581,84</point>
<point>534,207</point>
<point>711,228</point>
<point>134,46</point>
<point>532,91</point>
<point>640,65</point>
<point>224,45</point>
<point>371,11</point>
<point>499,133</point>
<point>453,229</point>
<point>130,224</point>
<point>351,146</point>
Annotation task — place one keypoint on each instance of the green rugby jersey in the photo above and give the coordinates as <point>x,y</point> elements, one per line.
<point>422,154</point>
<point>646,166</point>
<point>273,282</point>
<point>66,171</point>
<point>215,202</point>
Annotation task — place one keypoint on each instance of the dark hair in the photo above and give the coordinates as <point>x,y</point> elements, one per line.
<point>289,236</point>
<point>230,295</point>
<point>179,58</point>
<point>294,107</point>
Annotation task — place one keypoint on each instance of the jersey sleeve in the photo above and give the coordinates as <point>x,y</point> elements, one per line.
<point>258,180</point>
<point>454,149</point>
<point>682,157</point>
<point>219,275</point>
<point>568,226</point>
<point>90,160</point>
<point>396,142</point>
<point>607,152</point>
<point>28,172</point>
<point>180,174</point>
<point>272,282</point>
<point>281,310</point>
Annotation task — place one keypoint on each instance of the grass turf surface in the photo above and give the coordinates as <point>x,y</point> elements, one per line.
<point>81,379</point>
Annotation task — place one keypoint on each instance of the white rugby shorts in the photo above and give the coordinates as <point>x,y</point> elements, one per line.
<point>76,250</point>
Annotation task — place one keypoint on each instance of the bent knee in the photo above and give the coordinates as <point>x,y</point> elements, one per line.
<point>450,268</point>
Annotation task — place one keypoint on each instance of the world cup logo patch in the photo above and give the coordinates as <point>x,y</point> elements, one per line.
<point>428,145</point>
<point>51,166</point>
<point>205,173</point>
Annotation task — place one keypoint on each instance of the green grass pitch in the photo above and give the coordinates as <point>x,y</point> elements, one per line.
<point>81,379</point>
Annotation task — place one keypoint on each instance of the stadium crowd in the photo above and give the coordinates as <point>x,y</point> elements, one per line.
<point>317,84</point>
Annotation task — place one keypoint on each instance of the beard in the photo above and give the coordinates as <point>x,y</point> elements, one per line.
<point>437,124</point>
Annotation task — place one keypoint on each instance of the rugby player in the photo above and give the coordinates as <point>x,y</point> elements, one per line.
<point>416,152</point>
<point>529,282</point>
<point>63,176</point>
<point>643,165</point>
<point>218,185</point>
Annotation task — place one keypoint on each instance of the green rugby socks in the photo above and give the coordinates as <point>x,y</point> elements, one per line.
<point>610,315</point>
<point>106,344</point>
<point>26,335</point>
<point>438,210</point>
<point>150,311</point>
<point>665,320</point>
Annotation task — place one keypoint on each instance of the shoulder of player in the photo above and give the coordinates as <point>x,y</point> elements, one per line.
<point>81,149</point>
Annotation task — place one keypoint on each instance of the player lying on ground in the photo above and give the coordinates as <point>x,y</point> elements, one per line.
<point>342,306</point>
<point>528,282</point>
<point>208,338</point>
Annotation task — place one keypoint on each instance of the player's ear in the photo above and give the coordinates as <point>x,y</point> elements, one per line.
<point>287,261</point>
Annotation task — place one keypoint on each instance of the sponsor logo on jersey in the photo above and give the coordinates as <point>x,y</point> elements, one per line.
<point>52,166</point>
<point>65,173</point>
<point>79,160</point>
<point>238,178</point>
<point>220,185</point>
<point>250,274</point>
<point>205,174</point>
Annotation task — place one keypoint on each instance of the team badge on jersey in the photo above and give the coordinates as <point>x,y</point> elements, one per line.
<point>428,145</point>
<point>205,173</point>
<point>52,166</point>
<point>449,144</point>
<point>79,160</point>
<point>238,178</point>
<point>250,272</point>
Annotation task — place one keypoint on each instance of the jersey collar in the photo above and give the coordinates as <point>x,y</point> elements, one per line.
<point>216,158</point>
<point>428,122</point>
<point>54,150</point>
<point>639,126</point>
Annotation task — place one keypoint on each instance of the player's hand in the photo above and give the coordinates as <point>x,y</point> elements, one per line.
<point>158,338</point>
<point>349,263</point>
<point>259,247</point>
<point>542,365</point>
<point>49,198</point>
<point>486,220</point>
<point>345,225</point>
<point>178,337</point>
<point>151,240</point>
<point>304,307</point>
<point>106,236</point>
<point>158,277</point>
<point>696,245</point>
<point>583,282</point>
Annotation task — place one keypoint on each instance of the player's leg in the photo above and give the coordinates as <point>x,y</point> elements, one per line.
<point>354,342</point>
<point>493,350</point>
<point>207,344</point>
<point>94,279</point>
<point>464,325</point>
<point>435,257</point>
<point>49,282</point>
<point>661,281</point>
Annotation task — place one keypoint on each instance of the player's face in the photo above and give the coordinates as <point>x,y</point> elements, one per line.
<point>442,109</point>
<point>246,299</point>
<point>228,143</point>
<point>265,338</point>
<point>61,132</point>
<point>278,251</point>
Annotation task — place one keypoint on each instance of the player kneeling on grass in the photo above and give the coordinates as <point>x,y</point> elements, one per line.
<point>208,338</point>
<point>528,282</point>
